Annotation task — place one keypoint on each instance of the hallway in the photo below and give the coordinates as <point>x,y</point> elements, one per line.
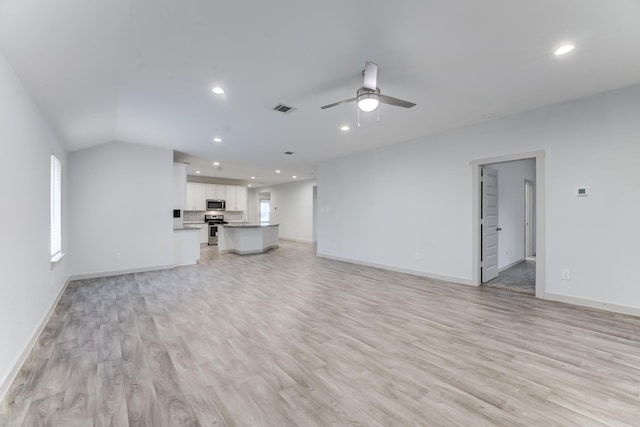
<point>520,278</point>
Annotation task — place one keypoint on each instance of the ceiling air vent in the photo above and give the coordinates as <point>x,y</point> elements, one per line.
<point>283,108</point>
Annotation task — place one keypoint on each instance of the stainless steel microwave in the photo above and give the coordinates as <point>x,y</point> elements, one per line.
<point>215,205</point>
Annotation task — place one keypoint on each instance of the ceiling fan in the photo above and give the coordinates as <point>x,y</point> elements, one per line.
<point>369,96</point>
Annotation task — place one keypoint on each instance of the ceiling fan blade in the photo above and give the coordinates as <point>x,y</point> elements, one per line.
<point>337,103</point>
<point>395,101</point>
<point>370,75</point>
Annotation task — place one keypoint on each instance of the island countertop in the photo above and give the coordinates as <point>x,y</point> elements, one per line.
<point>249,224</point>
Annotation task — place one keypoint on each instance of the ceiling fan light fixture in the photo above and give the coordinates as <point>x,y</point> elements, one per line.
<point>368,102</point>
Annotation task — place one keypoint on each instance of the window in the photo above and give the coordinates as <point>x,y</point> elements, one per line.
<point>265,210</point>
<point>56,210</point>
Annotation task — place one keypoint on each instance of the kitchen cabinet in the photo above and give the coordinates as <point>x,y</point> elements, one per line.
<point>241,198</point>
<point>204,233</point>
<point>216,191</point>
<point>196,196</point>
<point>231,197</point>
<point>236,198</point>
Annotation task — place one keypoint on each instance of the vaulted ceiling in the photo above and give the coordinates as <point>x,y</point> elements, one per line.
<point>141,71</point>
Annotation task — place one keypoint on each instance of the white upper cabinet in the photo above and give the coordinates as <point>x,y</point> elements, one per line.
<point>230,197</point>
<point>216,192</point>
<point>236,198</point>
<point>241,198</point>
<point>220,192</point>
<point>196,196</point>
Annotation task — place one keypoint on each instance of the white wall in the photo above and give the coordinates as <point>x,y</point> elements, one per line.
<point>594,141</point>
<point>29,284</point>
<point>121,202</point>
<point>511,177</point>
<point>291,207</point>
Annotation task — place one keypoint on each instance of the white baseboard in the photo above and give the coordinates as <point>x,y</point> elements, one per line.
<point>457,280</point>
<point>296,240</point>
<point>508,266</point>
<point>119,272</point>
<point>615,308</point>
<point>4,385</point>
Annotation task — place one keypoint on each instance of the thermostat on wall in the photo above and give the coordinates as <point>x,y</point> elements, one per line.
<point>582,191</point>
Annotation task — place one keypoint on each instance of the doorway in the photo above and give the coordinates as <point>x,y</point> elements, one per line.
<point>520,223</point>
<point>265,211</point>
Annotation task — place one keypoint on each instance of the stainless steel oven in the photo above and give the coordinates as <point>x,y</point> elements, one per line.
<point>214,221</point>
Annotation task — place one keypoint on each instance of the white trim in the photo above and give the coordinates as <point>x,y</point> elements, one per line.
<point>57,258</point>
<point>296,240</point>
<point>120,272</point>
<point>615,308</point>
<point>508,266</point>
<point>454,280</point>
<point>8,380</point>
<point>539,156</point>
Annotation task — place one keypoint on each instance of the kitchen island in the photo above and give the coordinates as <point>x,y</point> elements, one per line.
<point>247,238</point>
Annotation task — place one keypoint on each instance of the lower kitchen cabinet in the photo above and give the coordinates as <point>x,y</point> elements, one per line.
<point>204,233</point>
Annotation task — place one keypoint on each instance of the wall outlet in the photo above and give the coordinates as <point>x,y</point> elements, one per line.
<point>117,256</point>
<point>565,274</point>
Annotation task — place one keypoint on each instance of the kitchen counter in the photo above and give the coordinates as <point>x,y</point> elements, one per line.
<point>249,225</point>
<point>186,228</point>
<point>247,238</point>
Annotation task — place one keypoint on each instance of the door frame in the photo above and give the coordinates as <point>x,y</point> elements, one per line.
<point>529,227</point>
<point>539,157</point>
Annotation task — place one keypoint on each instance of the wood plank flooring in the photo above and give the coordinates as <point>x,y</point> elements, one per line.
<point>289,339</point>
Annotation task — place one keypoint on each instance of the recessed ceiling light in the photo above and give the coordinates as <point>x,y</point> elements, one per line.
<point>216,163</point>
<point>217,140</point>
<point>278,171</point>
<point>249,185</point>
<point>253,177</point>
<point>344,128</point>
<point>294,177</point>
<point>564,49</point>
<point>218,90</point>
<point>197,171</point>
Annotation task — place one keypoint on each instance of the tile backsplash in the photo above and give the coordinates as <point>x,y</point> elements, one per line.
<point>193,216</point>
<point>234,216</point>
<point>198,216</point>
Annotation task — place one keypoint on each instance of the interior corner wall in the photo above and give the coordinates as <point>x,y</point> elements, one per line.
<point>511,177</point>
<point>291,207</point>
<point>121,208</point>
<point>427,183</point>
<point>29,283</point>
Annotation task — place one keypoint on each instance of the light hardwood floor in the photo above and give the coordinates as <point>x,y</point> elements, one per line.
<point>287,338</point>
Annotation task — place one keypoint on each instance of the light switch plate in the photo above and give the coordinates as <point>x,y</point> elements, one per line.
<point>583,191</point>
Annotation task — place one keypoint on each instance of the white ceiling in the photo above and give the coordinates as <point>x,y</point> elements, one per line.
<point>141,71</point>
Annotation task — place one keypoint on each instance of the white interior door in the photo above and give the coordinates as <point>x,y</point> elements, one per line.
<point>489,224</point>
